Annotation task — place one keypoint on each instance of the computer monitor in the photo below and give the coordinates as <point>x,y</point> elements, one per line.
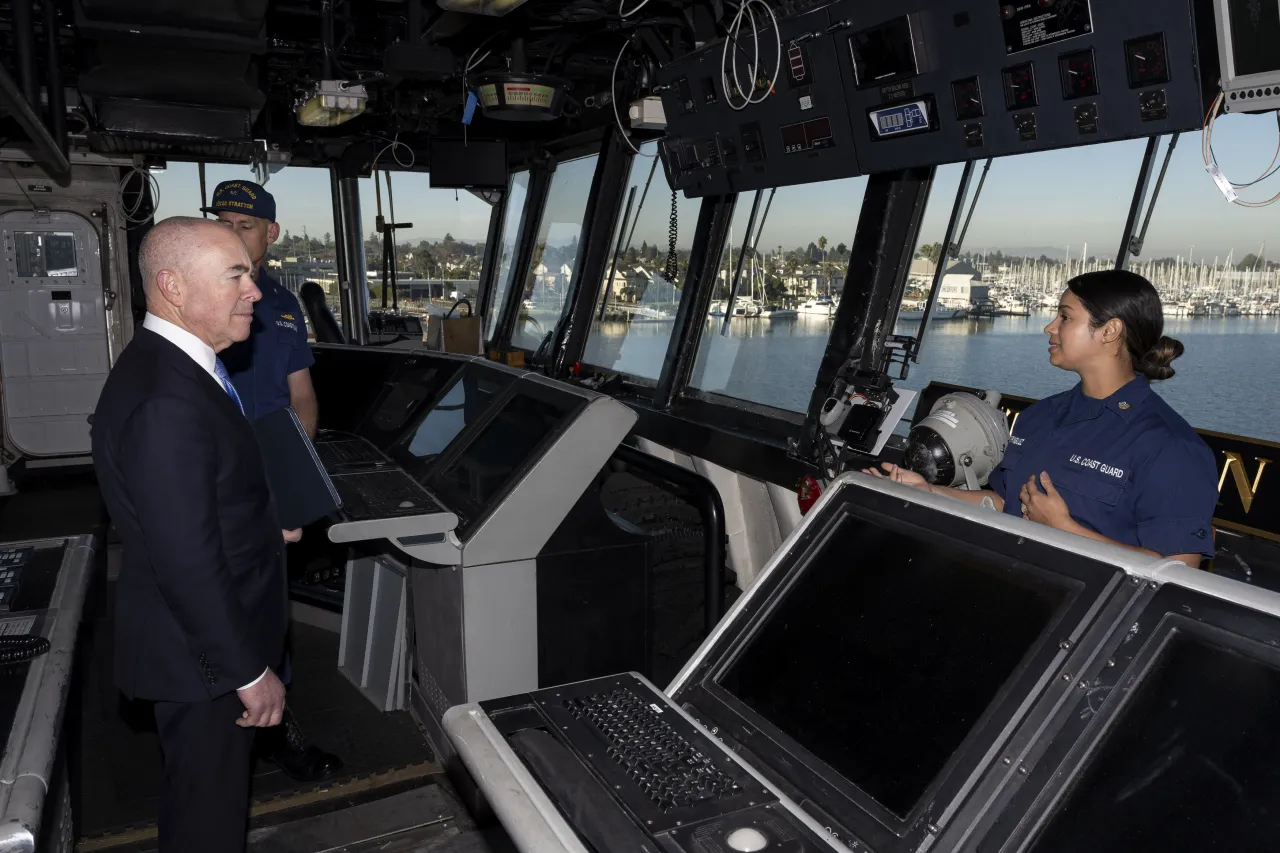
<point>350,381</point>
<point>468,164</point>
<point>1191,763</point>
<point>477,476</point>
<point>462,403</point>
<point>406,395</point>
<point>1247,35</point>
<point>875,670</point>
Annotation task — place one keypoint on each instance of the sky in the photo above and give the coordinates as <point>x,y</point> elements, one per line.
<point>1042,202</point>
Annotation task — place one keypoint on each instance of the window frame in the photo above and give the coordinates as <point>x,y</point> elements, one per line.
<point>541,173</point>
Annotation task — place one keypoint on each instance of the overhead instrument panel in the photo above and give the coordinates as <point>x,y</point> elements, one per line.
<point>946,80</point>
<point>799,133</point>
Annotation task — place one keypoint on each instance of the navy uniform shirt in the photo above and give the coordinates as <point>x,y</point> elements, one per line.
<point>1129,467</point>
<point>277,346</point>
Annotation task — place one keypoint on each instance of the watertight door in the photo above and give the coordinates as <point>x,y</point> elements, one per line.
<point>53,331</point>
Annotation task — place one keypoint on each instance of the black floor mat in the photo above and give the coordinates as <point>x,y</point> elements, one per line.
<point>120,765</point>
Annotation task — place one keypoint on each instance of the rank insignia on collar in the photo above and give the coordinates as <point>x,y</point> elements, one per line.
<point>1123,405</point>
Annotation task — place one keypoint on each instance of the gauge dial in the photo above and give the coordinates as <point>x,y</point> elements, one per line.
<point>967,95</point>
<point>1079,79</point>
<point>1020,87</point>
<point>1147,61</point>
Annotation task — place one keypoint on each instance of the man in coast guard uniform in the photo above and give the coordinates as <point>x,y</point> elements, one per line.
<point>271,370</point>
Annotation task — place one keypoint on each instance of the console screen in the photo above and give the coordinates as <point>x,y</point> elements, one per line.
<point>888,648</point>
<point>480,474</point>
<point>1191,764</point>
<point>462,404</point>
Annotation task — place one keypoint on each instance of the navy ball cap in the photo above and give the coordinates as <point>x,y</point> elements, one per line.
<point>243,197</point>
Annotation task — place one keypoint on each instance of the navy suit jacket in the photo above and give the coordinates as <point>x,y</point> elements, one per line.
<point>201,604</point>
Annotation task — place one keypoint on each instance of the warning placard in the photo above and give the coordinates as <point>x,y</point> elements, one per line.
<point>1035,23</point>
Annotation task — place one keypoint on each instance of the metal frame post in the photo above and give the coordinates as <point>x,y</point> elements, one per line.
<point>598,223</point>
<point>714,219</point>
<point>883,244</point>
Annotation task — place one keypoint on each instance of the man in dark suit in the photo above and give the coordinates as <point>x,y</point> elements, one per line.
<point>201,604</point>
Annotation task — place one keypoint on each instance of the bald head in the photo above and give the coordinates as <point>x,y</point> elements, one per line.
<point>196,273</point>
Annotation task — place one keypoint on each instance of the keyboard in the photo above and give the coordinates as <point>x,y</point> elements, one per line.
<point>382,494</point>
<point>357,451</point>
<point>669,770</point>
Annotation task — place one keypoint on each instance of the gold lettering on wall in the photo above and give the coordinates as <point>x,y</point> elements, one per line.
<point>1235,465</point>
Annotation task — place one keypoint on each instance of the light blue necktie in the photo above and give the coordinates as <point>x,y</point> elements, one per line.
<point>220,370</point>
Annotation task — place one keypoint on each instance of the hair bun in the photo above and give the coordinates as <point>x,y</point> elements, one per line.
<point>1156,364</point>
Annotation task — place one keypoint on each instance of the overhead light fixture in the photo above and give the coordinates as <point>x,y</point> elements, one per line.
<point>331,102</point>
<point>480,7</point>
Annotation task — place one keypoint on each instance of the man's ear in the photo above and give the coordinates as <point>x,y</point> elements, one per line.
<point>273,232</point>
<point>170,287</point>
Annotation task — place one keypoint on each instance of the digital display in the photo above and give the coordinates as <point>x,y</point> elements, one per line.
<point>480,475</point>
<point>900,119</point>
<point>807,135</point>
<point>884,54</point>
<point>1146,60</point>
<point>464,403</point>
<point>1191,764</point>
<point>1255,33</point>
<point>1020,87</point>
<point>45,254</point>
<point>887,650</point>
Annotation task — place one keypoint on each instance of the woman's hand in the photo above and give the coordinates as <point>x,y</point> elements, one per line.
<point>900,475</point>
<point>1045,506</point>
<point>292,535</point>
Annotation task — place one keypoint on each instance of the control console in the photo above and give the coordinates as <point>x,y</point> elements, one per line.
<point>865,87</point>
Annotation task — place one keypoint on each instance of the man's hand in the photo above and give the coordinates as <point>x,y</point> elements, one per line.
<point>292,535</point>
<point>263,703</point>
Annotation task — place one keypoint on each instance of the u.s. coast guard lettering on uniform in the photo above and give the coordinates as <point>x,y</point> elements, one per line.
<point>1094,464</point>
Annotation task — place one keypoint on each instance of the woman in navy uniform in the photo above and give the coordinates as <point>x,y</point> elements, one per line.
<point>1108,459</point>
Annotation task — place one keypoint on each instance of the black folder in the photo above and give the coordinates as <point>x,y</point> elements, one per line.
<point>301,487</point>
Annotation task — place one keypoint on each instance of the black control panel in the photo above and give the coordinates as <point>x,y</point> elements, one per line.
<point>999,77</point>
<point>798,134</point>
<point>869,87</point>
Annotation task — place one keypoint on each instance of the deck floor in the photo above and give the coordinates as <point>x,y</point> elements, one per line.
<point>120,765</point>
<point>115,757</point>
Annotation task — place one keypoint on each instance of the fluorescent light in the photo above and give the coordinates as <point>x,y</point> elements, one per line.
<point>332,102</point>
<point>480,7</point>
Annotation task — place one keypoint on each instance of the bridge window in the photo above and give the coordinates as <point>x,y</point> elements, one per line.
<point>640,296</point>
<point>304,251</point>
<point>1040,219</point>
<point>438,255</point>
<point>549,278</point>
<point>928,252</point>
<point>517,194</point>
<point>787,290</point>
<point>1217,268</point>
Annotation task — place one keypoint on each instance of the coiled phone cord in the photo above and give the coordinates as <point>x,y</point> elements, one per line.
<point>18,649</point>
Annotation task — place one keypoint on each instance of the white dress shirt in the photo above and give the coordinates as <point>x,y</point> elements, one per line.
<point>203,355</point>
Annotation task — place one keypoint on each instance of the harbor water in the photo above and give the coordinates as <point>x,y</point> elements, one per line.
<point>1227,381</point>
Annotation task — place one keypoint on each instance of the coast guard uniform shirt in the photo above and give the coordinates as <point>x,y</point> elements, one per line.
<point>277,346</point>
<point>1129,467</point>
